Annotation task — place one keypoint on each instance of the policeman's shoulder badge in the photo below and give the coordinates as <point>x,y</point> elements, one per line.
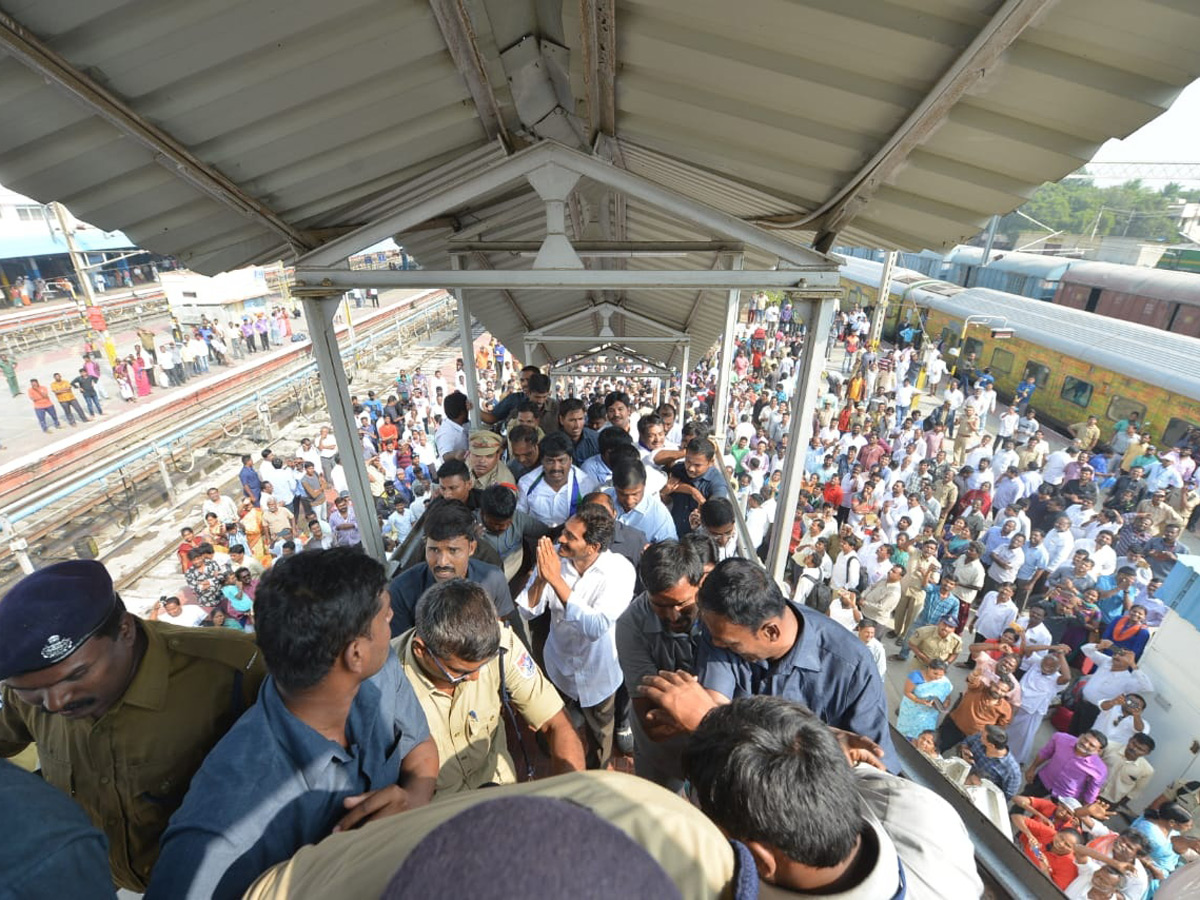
<point>525,664</point>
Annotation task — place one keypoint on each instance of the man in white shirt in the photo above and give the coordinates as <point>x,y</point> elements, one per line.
<point>1114,675</point>
<point>451,437</point>
<point>553,491</point>
<point>586,587</point>
<point>1057,462</point>
<point>996,612</point>
<point>174,611</point>
<point>218,503</point>
<point>1059,544</point>
<point>865,629</point>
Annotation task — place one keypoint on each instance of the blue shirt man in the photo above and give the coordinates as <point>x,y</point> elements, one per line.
<point>693,480</point>
<point>251,483</point>
<point>408,586</point>
<point>791,652</point>
<point>337,736</point>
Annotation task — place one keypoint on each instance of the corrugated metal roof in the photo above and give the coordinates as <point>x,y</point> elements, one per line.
<point>326,116</point>
<point>1126,348</point>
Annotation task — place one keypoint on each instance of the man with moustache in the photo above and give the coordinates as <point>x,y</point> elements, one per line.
<point>450,543</point>
<point>658,633</point>
<point>123,710</point>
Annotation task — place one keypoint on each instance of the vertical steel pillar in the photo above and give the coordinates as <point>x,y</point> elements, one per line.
<point>885,290</point>
<point>820,317</point>
<point>467,347</point>
<point>681,411</point>
<point>319,313</point>
<point>725,368</point>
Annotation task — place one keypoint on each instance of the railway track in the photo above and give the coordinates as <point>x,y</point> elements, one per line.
<point>31,329</point>
<point>127,468</point>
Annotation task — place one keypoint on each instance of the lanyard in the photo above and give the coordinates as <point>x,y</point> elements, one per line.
<point>574,491</point>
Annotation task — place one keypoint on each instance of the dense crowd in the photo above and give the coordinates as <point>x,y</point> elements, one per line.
<point>573,581</point>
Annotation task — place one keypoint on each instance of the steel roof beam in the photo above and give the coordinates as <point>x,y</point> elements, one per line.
<point>310,279</point>
<point>588,247</point>
<point>459,33</point>
<point>173,156</point>
<point>971,67</point>
<point>599,40</point>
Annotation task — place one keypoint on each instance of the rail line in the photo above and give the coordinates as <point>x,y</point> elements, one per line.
<point>133,463</point>
<point>29,329</point>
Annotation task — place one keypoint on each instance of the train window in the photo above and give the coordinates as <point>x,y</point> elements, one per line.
<point>1076,391</point>
<point>1175,431</point>
<point>1040,373</point>
<point>1123,407</point>
<point>1002,361</point>
<point>971,345</point>
<point>949,338</point>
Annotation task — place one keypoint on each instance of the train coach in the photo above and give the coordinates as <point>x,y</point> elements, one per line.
<point>1084,364</point>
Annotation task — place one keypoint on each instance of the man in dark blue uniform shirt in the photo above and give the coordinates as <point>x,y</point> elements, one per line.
<point>336,739</point>
<point>756,643</point>
<point>450,530</point>
<point>692,481</point>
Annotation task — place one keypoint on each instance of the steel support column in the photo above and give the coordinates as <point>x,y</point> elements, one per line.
<point>681,409</point>
<point>319,318</point>
<point>468,351</point>
<point>885,290</point>
<point>725,368</point>
<point>804,396</point>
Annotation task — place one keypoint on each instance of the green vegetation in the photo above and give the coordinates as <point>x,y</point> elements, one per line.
<point>1077,206</point>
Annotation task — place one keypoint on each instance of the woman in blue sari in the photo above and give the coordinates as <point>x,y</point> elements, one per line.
<point>1160,827</point>
<point>925,693</point>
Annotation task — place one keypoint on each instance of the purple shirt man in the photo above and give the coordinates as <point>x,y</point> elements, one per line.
<point>1071,767</point>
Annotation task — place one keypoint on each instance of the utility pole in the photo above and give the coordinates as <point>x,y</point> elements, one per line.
<point>79,263</point>
<point>885,290</point>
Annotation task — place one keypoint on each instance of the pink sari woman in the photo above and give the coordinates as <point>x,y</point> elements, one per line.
<point>140,378</point>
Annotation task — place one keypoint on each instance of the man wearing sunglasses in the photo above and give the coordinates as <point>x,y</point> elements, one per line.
<point>470,673</point>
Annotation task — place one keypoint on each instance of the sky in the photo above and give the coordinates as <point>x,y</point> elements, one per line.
<point>1172,137</point>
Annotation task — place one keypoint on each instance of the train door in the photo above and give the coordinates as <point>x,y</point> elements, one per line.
<point>1093,300</point>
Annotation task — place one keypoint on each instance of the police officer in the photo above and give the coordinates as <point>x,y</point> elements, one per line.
<point>465,669</point>
<point>122,710</point>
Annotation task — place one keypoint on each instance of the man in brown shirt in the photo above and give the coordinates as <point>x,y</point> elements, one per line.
<point>982,704</point>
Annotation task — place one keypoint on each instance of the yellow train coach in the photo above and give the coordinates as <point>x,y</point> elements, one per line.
<point>1084,364</point>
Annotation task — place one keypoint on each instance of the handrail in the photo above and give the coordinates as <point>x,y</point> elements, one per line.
<point>745,549</point>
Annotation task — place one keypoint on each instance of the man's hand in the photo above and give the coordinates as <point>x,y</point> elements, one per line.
<point>680,696</point>
<point>859,749</point>
<point>372,805</point>
<point>548,566</point>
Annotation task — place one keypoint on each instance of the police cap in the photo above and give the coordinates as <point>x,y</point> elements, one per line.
<point>51,613</point>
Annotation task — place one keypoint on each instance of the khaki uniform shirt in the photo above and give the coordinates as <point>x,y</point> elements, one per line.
<point>913,583</point>
<point>1125,778</point>
<point>130,768</point>
<point>927,641</point>
<point>468,725</point>
<point>1087,435</point>
<point>360,863</point>
<point>946,493</point>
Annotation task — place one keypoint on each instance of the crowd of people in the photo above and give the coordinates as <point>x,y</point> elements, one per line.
<point>157,360</point>
<point>579,577</point>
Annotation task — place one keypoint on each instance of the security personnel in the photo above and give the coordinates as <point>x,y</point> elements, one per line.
<point>466,668</point>
<point>483,458</point>
<point>122,710</point>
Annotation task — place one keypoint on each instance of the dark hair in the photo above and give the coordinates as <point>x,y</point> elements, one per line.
<point>570,405</point>
<point>522,434</point>
<point>628,473</point>
<point>667,406</point>
<point>1100,736</point>
<point>595,412</point>
<point>451,519</point>
<point>716,512</point>
<point>702,446</point>
<point>498,502</point>
<point>742,592</point>
<point>645,423</point>
<point>614,397</point>
<point>246,457</point>
<point>455,405</point>
<point>454,468</point>
<point>527,406</point>
<point>765,769</point>
<point>458,618</point>
<point>539,382</point>
<point>703,546</point>
<point>610,439</point>
<point>310,606</point>
<point>111,626</point>
<point>1172,812</point>
<point>1145,740</point>
<point>598,525</point>
<point>996,736</point>
<point>556,443</point>
<point>665,562</point>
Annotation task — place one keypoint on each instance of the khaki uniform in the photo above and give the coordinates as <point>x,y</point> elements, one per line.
<point>927,641</point>
<point>499,475</point>
<point>912,592</point>
<point>130,769</point>
<point>468,725</point>
<point>946,493</point>
<point>1087,435</point>
<point>360,863</point>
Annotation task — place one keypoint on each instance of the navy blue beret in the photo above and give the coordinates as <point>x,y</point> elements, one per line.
<point>484,851</point>
<point>48,615</point>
